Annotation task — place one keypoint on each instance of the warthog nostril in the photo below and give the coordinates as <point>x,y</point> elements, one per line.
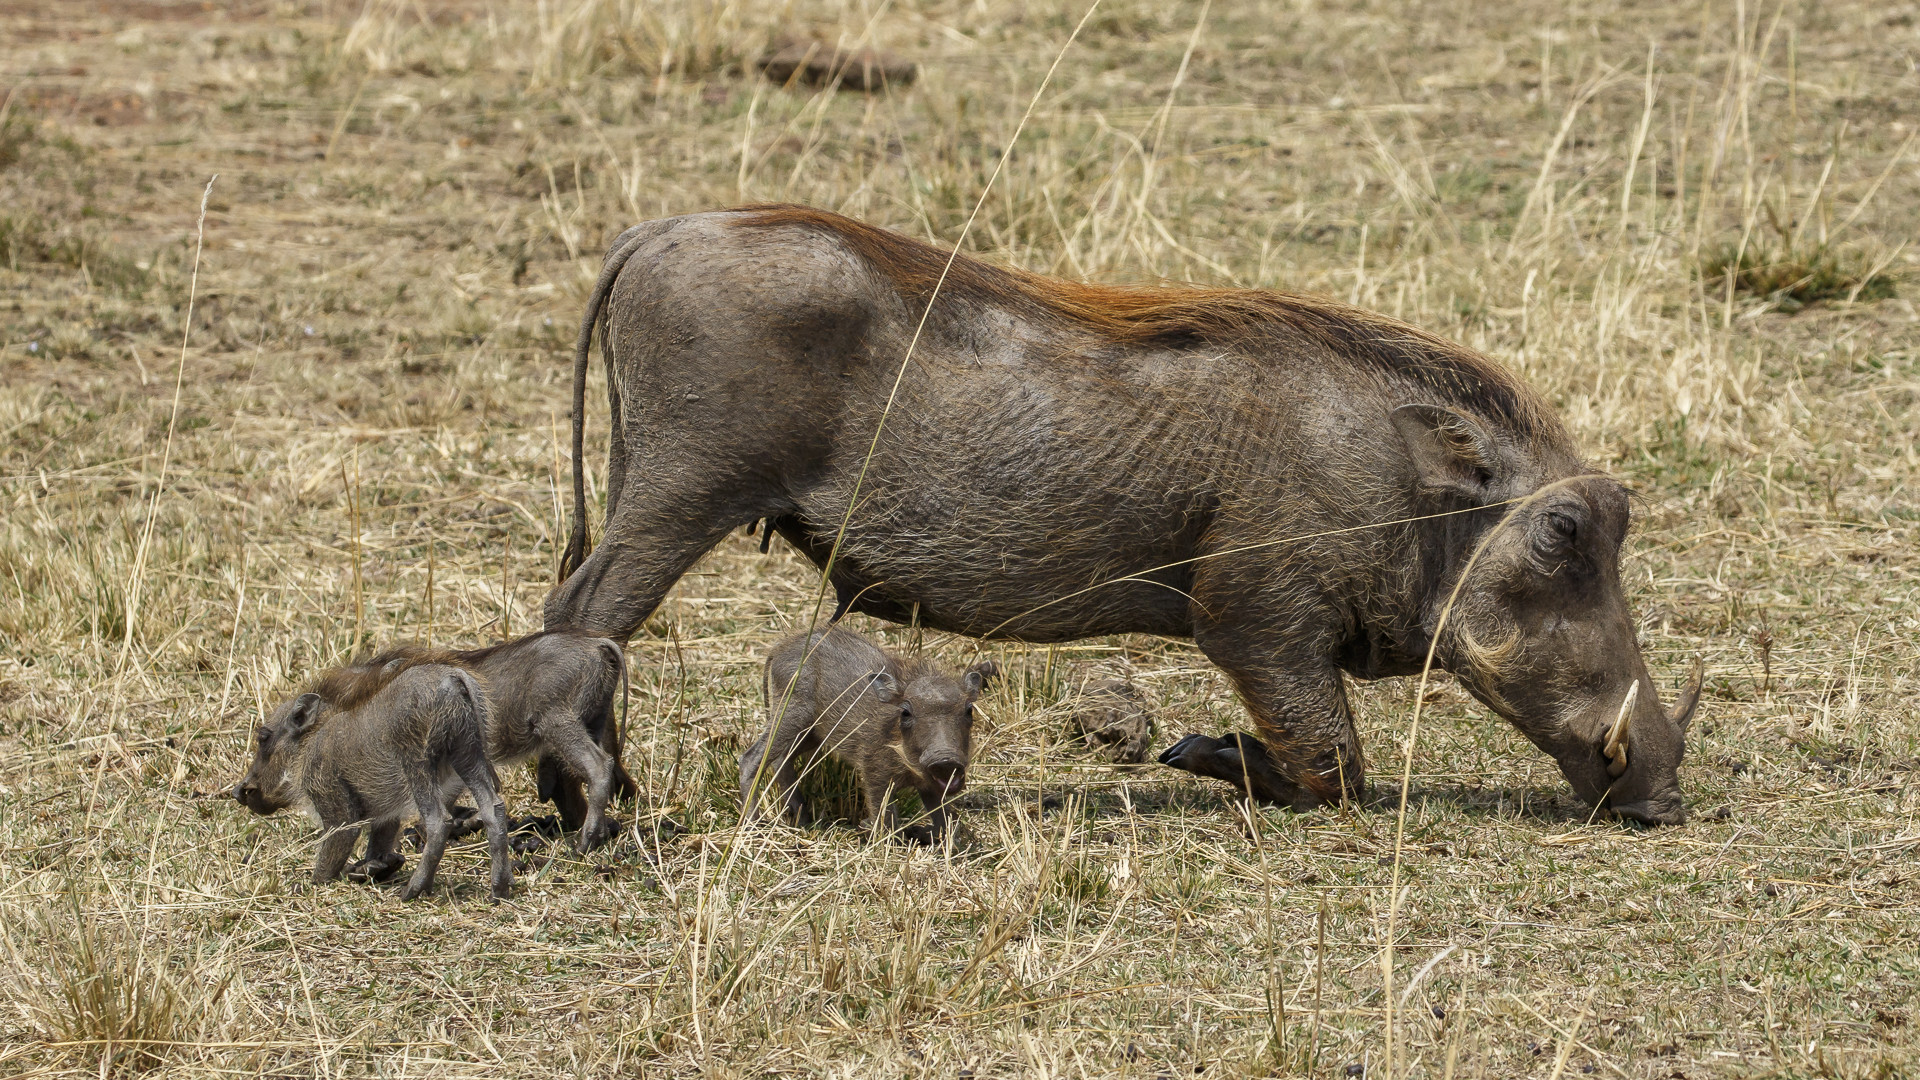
<point>1652,812</point>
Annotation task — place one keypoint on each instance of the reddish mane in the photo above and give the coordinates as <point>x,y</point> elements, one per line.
<point>1173,315</point>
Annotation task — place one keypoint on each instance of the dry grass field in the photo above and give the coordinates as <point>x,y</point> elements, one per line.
<point>1691,226</point>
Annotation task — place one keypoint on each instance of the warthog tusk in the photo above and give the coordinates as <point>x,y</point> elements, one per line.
<point>1689,699</point>
<point>1621,732</point>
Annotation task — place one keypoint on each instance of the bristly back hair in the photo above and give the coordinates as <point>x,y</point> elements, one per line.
<point>1176,314</point>
<point>350,687</point>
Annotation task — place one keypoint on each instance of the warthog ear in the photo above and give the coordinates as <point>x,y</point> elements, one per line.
<point>980,676</point>
<point>885,686</point>
<point>306,709</point>
<point>1451,452</point>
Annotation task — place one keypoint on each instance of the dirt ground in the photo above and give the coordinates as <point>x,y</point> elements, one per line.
<point>1691,227</point>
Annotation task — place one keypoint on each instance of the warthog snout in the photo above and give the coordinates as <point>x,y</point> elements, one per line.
<point>950,774</point>
<point>1667,810</point>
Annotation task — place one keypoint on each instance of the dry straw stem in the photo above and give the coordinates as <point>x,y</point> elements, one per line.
<point>1083,919</point>
<point>138,579</point>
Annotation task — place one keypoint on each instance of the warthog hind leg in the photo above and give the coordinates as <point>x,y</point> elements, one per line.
<point>383,856</point>
<point>585,759</point>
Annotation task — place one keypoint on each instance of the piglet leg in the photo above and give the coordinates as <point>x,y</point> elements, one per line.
<point>335,847</point>
<point>478,774</point>
<point>435,826</point>
<point>383,855</point>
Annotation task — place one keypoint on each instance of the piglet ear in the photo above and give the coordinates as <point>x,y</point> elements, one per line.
<point>1450,451</point>
<point>306,709</point>
<point>980,676</point>
<point>885,686</point>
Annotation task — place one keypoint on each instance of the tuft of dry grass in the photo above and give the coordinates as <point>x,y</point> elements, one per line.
<point>368,447</point>
<point>114,989</point>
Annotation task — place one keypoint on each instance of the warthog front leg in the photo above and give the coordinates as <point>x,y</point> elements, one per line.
<point>335,848</point>
<point>883,819</point>
<point>936,826</point>
<point>768,765</point>
<point>1307,752</point>
<point>341,815</point>
<point>1239,760</point>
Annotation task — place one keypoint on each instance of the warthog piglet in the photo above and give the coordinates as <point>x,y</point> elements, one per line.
<point>549,695</point>
<point>352,759</point>
<point>899,721</point>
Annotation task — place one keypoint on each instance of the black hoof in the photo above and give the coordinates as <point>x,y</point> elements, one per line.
<point>466,821</point>
<point>589,841</point>
<point>1197,753</point>
<point>375,870</point>
<point>1238,760</point>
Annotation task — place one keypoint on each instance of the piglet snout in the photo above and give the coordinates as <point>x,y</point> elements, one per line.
<point>950,774</point>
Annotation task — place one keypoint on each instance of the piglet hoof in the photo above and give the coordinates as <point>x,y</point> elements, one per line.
<point>524,842</point>
<point>920,835</point>
<point>411,893</point>
<point>593,838</point>
<point>466,820</point>
<point>377,869</point>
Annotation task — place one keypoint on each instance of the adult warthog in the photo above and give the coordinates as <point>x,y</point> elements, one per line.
<point>1296,484</point>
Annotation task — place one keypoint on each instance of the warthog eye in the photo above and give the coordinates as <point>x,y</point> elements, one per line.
<point>1557,533</point>
<point>906,716</point>
<point>969,714</point>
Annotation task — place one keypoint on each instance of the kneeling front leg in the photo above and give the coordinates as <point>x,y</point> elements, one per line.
<point>1307,752</point>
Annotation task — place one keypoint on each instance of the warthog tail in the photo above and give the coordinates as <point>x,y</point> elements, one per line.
<point>578,546</point>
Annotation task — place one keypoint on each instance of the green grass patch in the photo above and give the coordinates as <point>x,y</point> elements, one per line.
<point>1793,279</point>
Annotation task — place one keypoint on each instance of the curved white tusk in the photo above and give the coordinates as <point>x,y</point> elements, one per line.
<point>1620,734</point>
<point>1689,699</point>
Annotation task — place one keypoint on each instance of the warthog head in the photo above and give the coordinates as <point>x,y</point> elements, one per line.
<point>1540,630</point>
<point>935,722</point>
<point>269,783</point>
